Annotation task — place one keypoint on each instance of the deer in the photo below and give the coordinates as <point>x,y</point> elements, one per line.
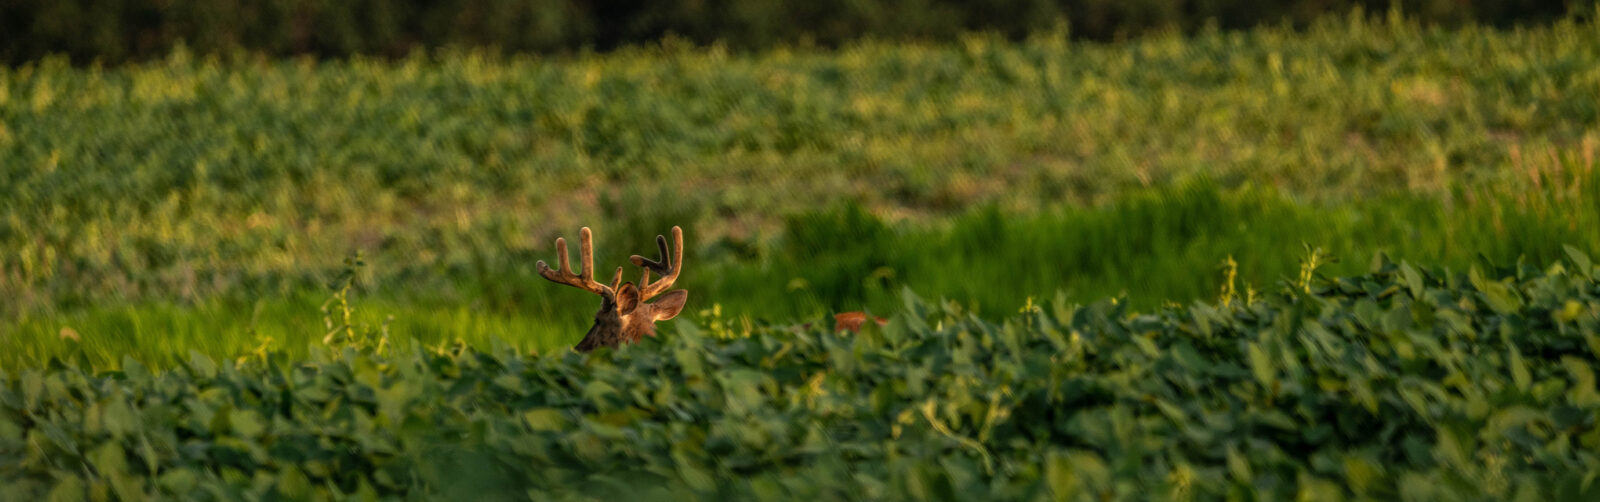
<point>624,316</point>
<point>852,321</point>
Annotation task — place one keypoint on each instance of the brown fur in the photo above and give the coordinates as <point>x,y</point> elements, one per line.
<point>624,317</point>
<point>852,321</point>
<point>623,321</point>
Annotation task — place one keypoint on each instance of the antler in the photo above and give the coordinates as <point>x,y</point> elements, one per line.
<point>668,267</point>
<point>584,279</point>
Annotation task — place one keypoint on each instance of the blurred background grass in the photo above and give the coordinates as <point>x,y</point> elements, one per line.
<point>203,202</point>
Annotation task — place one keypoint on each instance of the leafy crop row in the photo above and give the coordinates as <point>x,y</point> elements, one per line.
<point>1403,382</point>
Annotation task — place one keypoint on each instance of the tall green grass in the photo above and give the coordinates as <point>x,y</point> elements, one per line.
<point>1150,247</point>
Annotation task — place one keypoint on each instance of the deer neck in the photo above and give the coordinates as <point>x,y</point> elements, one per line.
<point>612,329</point>
<point>607,330</point>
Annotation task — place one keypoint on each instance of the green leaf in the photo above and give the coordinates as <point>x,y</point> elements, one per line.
<point>1188,358</point>
<point>1238,467</point>
<point>58,435</point>
<point>1417,400</point>
<point>1579,260</point>
<point>180,481</point>
<point>1413,279</point>
<point>1416,486</point>
<point>135,371</point>
<point>69,488</point>
<point>293,484</point>
<point>201,365</point>
<point>1519,368</point>
<point>1362,473</point>
<point>118,418</point>
<point>1449,450</point>
<point>1261,366</point>
<point>1499,296</point>
<point>545,419</point>
<point>692,474</point>
<point>1582,393</point>
<point>32,388</point>
<point>9,431</point>
<point>1501,422</point>
<point>1361,390</point>
<point>246,423</point>
<point>109,459</point>
<point>598,390</point>
<point>1091,468</point>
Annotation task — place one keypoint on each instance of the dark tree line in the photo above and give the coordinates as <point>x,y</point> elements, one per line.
<point>128,30</point>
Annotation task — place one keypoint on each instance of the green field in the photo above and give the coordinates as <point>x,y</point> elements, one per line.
<point>1403,383</point>
<point>1224,206</point>
<point>204,204</point>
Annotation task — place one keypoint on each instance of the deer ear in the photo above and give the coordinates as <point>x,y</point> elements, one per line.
<point>668,305</point>
<point>627,299</point>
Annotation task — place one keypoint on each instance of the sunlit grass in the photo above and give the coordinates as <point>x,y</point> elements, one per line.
<point>193,177</point>
<point>1153,247</point>
<point>204,203</point>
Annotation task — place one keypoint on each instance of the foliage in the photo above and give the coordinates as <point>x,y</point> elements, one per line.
<point>242,179</point>
<point>1150,248</point>
<point>1405,382</point>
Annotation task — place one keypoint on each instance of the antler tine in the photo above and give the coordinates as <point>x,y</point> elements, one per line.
<point>561,252</point>
<point>616,280</point>
<point>586,253</point>
<point>668,270</point>
<point>584,279</point>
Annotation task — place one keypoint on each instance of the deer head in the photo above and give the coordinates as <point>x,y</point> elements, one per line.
<point>624,317</point>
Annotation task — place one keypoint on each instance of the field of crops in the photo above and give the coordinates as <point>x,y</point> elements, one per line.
<point>205,203</point>
<point>1159,266</point>
<point>1407,382</point>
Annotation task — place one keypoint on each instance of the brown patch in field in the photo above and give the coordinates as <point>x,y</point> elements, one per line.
<point>852,321</point>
